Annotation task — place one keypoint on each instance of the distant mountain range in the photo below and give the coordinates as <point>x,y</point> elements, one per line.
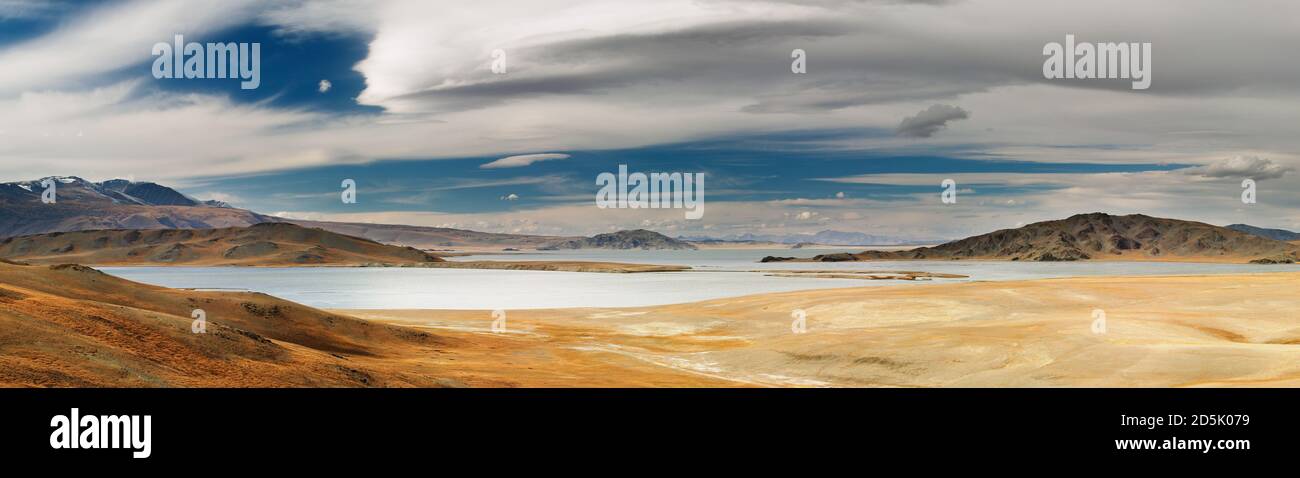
<point>83,205</point>
<point>425,237</point>
<point>126,205</point>
<point>635,239</point>
<point>827,237</point>
<point>264,244</point>
<point>116,204</point>
<point>1274,234</point>
<point>1098,236</point>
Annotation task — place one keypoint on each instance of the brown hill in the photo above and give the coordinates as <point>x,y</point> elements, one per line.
<point>266,244</point>
<point>1099,236</point>
<point>73,326</point>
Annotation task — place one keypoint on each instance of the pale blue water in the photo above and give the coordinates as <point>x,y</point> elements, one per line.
<point>722,273</point>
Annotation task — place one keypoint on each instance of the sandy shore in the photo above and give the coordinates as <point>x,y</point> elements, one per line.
<point>1220,330</point>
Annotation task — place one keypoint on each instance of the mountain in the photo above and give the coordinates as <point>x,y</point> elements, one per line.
<point>826,237</point>
<point>432,237</point>
<point>1099,236</point>
<point>153,194</point>
<point>636,239</point>
<point>117,204</point>
<point>266,244</point>
<point>121,204</point>
<point>1274,234</point>
<point>73,326</point>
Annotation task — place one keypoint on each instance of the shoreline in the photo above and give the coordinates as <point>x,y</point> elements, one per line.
<point>1185,259</point>
<point>548,266</point>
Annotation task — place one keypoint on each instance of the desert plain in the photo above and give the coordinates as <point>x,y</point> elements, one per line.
<point>1175,331</point>
<point>73,326</point>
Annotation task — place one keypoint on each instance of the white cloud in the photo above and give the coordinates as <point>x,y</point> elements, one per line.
<point>324,86</point>
<point>1253,167</point>
<point>109,38</point>
<point>522,160</point>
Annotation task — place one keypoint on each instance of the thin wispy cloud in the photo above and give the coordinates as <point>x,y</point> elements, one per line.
<point>522,160</point>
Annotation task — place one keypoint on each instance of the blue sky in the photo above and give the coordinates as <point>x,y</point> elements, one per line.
<point>897,96</point>
<point>757,168</point>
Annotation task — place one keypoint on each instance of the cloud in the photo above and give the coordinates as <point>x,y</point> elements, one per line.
<point>523,160</point>
<point>599,75</point>
<point>324,86</point>
<point>219,196</point>
<point>294,18</point>
<point>929,121</point>
<point>27,9</point>
<point>936,179</point>
<point>108,38</point>
<point>1253,167</point>
<point>510,197</point>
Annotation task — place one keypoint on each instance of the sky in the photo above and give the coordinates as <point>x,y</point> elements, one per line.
<point>896,96</point>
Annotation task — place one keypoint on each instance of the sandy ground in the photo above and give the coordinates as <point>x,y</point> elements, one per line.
<point>73,326</point>
<point>1184,331</point>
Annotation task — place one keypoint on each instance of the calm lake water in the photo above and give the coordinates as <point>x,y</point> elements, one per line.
<point>721,273</point>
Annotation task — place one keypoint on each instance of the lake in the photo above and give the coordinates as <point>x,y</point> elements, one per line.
<point>721,273</point>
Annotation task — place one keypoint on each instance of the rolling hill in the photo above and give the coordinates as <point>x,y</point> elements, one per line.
<point>73,326</point>
<point>265,244</point>
<point>1099,236</point>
